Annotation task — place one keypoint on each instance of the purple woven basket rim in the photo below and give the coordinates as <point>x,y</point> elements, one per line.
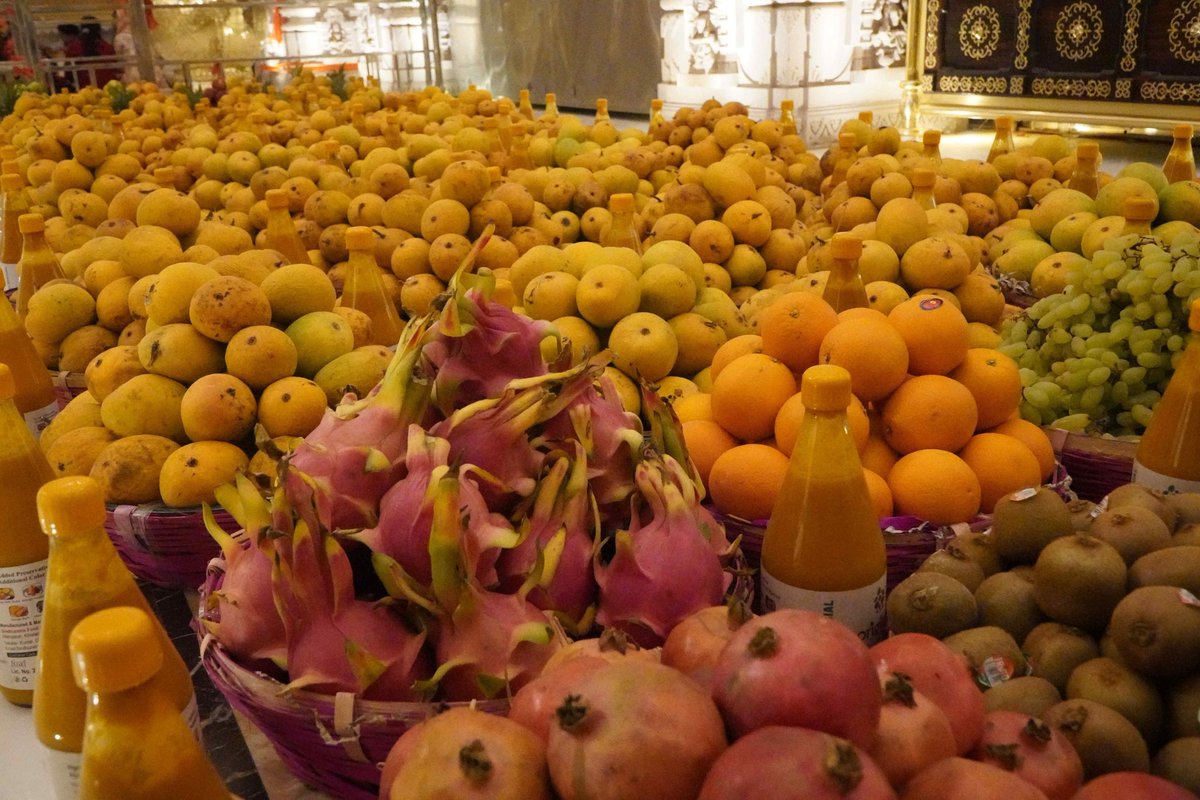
<point>167,546</point>
<point>300,724</point>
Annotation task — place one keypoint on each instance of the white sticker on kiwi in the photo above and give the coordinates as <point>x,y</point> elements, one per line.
<point>1189,599</point>
<point>1023,494</point>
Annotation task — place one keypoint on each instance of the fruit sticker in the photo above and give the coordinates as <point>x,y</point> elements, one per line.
<point>20,623</point>
<point>931,303</point>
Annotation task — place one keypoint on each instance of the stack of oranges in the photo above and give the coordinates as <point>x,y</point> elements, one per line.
<point>935,419</point>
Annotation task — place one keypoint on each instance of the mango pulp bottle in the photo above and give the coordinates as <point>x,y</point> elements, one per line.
<point>1180,164</point>
<point>656,112</point>
<point>281,229</point>
<point>787,119</point>
<point>524,105</point>
<point>135,744</point>
<point>35,392</point>
<point>931,150</point>
<point>602,109</point>
<point>1083,177</point>
<point>364,289</point>
<point>844,287</point>
<point>1167,457</point>
<point>823,549</point>
<point>621,232</point>
<point>550,112</point>
<point>844,156</point>
<point>16,203</point>
<point>85,575</point>
<point>923,180</point>
<point>38,265</point>
<point>23,549</point>
<point>1139,213</point>
<point>1003,142</point>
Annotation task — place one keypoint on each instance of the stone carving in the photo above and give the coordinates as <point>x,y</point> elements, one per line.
<point>885,32</point>
<point>709,27</point>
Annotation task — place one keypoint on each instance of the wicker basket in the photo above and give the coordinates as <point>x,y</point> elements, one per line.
<point>67,386</point>
<point>165,546</point>
<point>335,743</point>
<point>1096,464</point>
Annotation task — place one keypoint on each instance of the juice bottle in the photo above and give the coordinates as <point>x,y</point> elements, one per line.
<point>524,105</point>
<point>787,119</point>
<point>135,744</point>
<point>364,288</point>
<point>1167,457</point>
<point>1003,143</point>
<point>85,575</point>
<point>1180,164</point>
<point>602,110</point>
<point>281,229</point>
<point>16,203</point>
<point>38,265</point>
<point>844,288</point>
<point>23,549</point>
<point>931,151</point>
<point>845,155</point>
<point>923,179</point>
<point>1083,177</point>
<point>656,112</point>
<point>867,117</point>
<point>621,232</point>
<point>35,392</point>
<point>1139,213</point>
<point>823,549</point>
<point>550,112</point>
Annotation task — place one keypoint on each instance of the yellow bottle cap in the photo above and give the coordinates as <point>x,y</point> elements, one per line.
<point>276,199</point>
<point>12,182</point>
<point>825,387</point>
<point>551,97</point>
<point>164,175</point>
<point>602,104</point>
<point>845,247</point>
<point>8,152</point>
<point>932,137</point>
<point>621,202</point>
<point>787,105</point>
<point>923,177</point>
<point>114,650</point>
<point>1087,150</point>
<point>31,223</point>
<point>1004,123</point>
<point>1142,209</point>
<point>656,104</point>
<point>523,94</point>
<point>847,140</point>
<point>359,237</point>
<point>10,166</point>
<point>1182,131</point>
<point>70,506</point>
<point>8,386</point>
<point>866,116</point>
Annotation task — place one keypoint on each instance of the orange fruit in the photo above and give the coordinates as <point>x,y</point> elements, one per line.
<point>994,380</point>
<point>935,333</point>
<point>748,394</point>
<point>1035,439</point>
<point>877,455</point>
<point>1003,465</point>
<point>745,480</point>
<point>881,495</point>
<point>935,485</point>
<point>791,414</point>
<point>693,406</point>
<point>872,351</point>
<point>705,440</point>
<point>731,349</point>
<point>793,326</point>
<point>929,411</point>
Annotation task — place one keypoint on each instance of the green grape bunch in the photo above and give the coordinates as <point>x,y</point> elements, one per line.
<point>1097,356</point>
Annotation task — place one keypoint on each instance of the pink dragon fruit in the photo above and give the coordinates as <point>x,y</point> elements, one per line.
<point>560,528</point>
<point>345,465</point>
<point>664,567</point>
<point>337,643</point>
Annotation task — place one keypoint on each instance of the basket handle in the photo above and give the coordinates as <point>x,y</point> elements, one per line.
<point>344,726</point>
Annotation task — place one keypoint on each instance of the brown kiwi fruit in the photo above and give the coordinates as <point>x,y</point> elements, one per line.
<point>1078,580</point>
<point>1133,530</point>
<point>1105,740</point>
<point>979,547</point>
<point>1081,512</point>
<point>1123,690</point>
<point>1186,505</point>
<point>1134,494</point>
<point>1183,708</point>
<point>1006,600</point>
<point>1026,521</point>
<point>1188,533</point>
<point>1157,631</point>
<point>1055,650</point>
<point>1171,566</point>
<point>992,653</point>
<point>931,603</point>
<point>1023,571</point>
<point>1179,762</point>
<point>952,561</point>
<point>1027,694</point>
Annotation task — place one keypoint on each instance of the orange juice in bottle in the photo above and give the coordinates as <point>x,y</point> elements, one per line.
<point>524,105</point>
<point>281,229</point>
<point>844,287</point>
<point>843,157</point>
<point>23,548</point>
<point>35,392</point>
<point>787,118</point>
<point>923,180</point>
<point>622,231</point>
<point>135,744</point>
<point>85,575</point>
<point>823,549</point>
<point>1168,456</point>
<point>931,150</point>
<point>1180,164</point>
<point>38,265</point>
<point>1003,142</point>
<point>1139,213</point>
<point>16,203</point>
<point>656,112</point>
<point>364,289</point>
<point>1083,177</point>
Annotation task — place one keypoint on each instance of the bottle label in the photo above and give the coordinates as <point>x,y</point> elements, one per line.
<point>39,418</point>
<point>860,610</point>
<point>21,598</point>
<point>10,273</point>
<point>64,770</point>
<point>1167,484</point>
